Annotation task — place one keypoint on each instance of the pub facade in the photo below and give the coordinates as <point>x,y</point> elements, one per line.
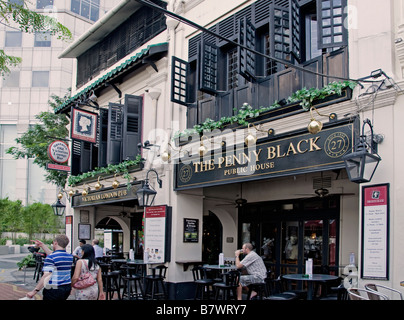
<point>210,105</point>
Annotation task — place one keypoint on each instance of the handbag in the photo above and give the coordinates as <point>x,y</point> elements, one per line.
<point>85,280</point>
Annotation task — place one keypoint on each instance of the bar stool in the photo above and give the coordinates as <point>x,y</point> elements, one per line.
<point>202,282</point>
<point>228,288</point>
<point>132,281</point>
<point>110,282</point>
<point>154,282</point>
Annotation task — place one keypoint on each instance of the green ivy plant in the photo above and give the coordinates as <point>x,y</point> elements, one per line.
<point>304,96</point>
<point>120,168</point>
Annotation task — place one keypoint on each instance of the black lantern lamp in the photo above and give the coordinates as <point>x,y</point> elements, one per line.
<point>362,163</point>
<point>146,194</point>
<point>58,207</point>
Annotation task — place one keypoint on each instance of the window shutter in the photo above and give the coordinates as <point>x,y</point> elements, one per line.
<point>132,126</point>
<point>246,57</point>
<point>209,68</point>
<point>331,15</point>
<point>102,138</point>
<point>76,156</point>
<point>179,84</point>
<point>115,131</point>
<point>280,35</point>
<point>294,12</point>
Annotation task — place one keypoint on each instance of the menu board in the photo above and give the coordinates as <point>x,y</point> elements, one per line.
<point>375,232</point>
<point>156,235</point>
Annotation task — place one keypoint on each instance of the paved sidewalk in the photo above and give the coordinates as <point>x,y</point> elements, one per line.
<point>14,283</point>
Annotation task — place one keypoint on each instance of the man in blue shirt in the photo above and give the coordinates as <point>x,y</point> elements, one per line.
<point>56,280</point>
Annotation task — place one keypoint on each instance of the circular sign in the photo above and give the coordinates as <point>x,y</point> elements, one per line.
<point>59,151</point>
<point>185,173</point>
<point>336,145</point>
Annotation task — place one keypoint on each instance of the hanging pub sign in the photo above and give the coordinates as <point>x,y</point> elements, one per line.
<point>84,125</point>
<point>290,154</point>
<point>375,232</point>
<point>157,234</point>
<point>59,151</point>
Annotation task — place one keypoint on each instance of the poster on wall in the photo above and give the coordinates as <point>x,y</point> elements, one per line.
<point>191,230</point>
<point>375,232</point>
<point>156,234</point>
<point>69,232</point>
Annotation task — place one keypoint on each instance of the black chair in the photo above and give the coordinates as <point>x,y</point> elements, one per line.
<point>284,286</point>
<point>132,282</point>
<point>202,282</point>
<point>228,288</point>
<point>336,293</point>
<point>110,279</point>
<point>39,261</point>
<point>154,282</point>
<point>275,292</point>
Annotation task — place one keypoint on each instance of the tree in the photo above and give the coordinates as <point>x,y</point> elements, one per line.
<point>10,215</point>
<point>39,218</point>
<point>34,143</point>
<point>28,21</point>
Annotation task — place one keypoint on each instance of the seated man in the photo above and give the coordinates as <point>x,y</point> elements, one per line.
<point>255,268</point>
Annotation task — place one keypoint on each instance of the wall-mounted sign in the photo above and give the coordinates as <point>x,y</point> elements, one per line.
<point>157,234</point>
<point>375,232</point>
<point>293,153</point>
<point>57,167</point>
<point>84,125</point>
<point>191,230</point>
<point>59,151</point>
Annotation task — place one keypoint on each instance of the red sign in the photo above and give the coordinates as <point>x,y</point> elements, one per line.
<point>375,196</point>
<point>59,151</point>
<point>155,212</point>
<point>52,166</point>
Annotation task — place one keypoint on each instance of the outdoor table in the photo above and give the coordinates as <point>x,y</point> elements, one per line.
<point>218,267</point>
<point>310,280</point>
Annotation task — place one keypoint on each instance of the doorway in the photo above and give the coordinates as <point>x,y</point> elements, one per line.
<point>287,233</point>
<point>212,238</point>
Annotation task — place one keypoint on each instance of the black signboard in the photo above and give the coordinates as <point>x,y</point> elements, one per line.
<point>191,230</point>
<point>295,153</point>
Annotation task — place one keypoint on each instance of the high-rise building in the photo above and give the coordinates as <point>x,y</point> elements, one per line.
<point>25,92</point>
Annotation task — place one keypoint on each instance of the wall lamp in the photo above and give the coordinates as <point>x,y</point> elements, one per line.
<point>362,163</point>
<point>315,126</point>
<point>146,194</point>
<point>58,207</point>
<point>251,138</point>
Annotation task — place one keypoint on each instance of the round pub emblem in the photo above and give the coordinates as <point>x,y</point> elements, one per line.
<point>185,173</point>
<point>336,145</point>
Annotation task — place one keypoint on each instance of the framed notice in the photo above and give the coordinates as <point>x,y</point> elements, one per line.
<point>157,234</point>
<point>84,125</point>
<point>375,232</point>
<point>84,231</point>
<point>191,230</point>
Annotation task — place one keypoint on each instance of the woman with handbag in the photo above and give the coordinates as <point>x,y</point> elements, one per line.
<point>87,279</point>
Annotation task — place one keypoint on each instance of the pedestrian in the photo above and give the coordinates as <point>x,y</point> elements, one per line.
<point>56,279</point>
<point>254,266</point>
<point>99,253</point>
<point>77,252</point>
<point>90,263</point>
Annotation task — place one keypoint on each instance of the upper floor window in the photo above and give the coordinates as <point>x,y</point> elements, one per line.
<point>40,78</point>
<point>89,9</point>
<point>12,80</point>
<point>13,39</point>
<point>17,2</point>
<point>42,39</point>
<point>42,4</point>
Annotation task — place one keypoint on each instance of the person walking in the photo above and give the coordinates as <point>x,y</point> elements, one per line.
<point>90,263</point>
<point>77,253</point>
<point>254,266</point>
<point>56,279</point>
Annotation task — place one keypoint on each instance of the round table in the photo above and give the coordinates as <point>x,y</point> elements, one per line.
<point>310,280</point>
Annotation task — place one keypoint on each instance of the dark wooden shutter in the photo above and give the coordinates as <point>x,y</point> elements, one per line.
<point>132,125</point>
<point>294,12</point>
<point>246,57</point>
<point>209,68</point>
<point>102,138</point>
<point>115,133</point>
<point>179,84</point>
<point>81,157</point>
<point>332,15</point>
<point>280,33</point>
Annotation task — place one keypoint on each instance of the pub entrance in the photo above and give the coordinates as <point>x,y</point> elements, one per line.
<point>287,233</point>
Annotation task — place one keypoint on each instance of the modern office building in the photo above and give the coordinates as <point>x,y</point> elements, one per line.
<point>25,92</point>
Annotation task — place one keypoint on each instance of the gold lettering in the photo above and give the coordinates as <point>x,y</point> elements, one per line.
<point>291,149</point>
<point>299,148</point>
<point>271,153</point>
<point>278,152</point>
<point>313,144</point>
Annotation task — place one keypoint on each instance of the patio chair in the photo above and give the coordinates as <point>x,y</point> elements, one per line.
<point>384,290</point>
